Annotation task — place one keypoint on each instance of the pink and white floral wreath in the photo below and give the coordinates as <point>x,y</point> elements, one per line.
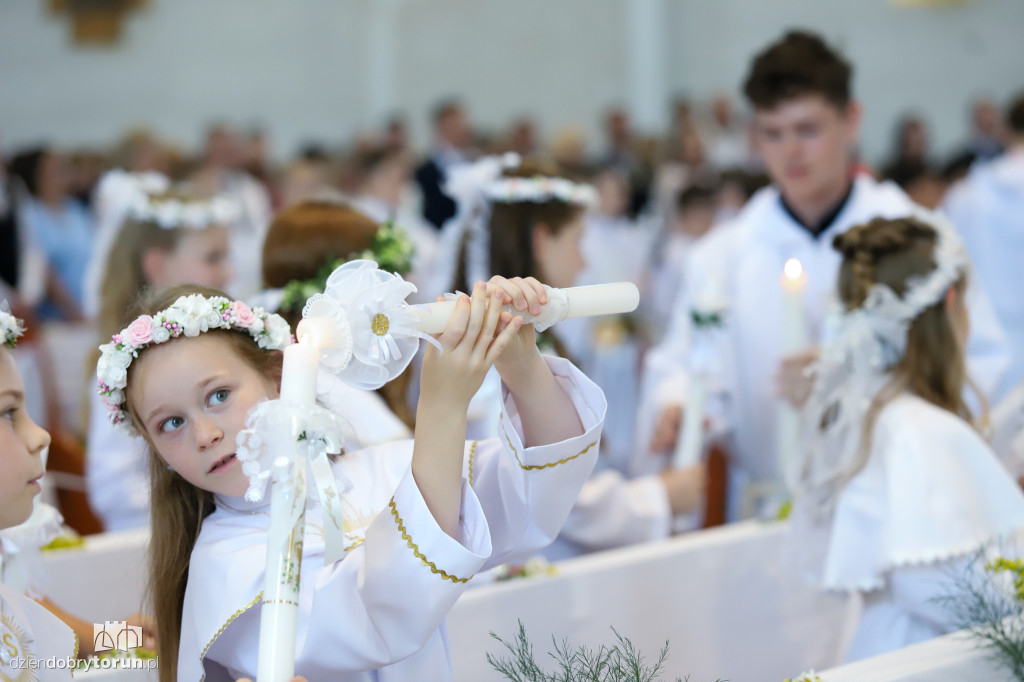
<point>188,316</point>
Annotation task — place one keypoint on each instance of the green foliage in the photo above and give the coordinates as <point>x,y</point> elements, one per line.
<point>983,602</point>
<point>622,662</point>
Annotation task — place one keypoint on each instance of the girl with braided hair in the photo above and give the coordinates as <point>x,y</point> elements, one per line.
<point>896,486</point>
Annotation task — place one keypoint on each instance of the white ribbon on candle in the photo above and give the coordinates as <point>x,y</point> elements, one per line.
<point>260,450</point>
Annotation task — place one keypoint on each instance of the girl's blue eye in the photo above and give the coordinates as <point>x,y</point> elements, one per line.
<point>219,397</point>
<point>9,413</point>
<point>172,424</point>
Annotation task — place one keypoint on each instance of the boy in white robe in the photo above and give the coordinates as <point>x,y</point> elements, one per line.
<point>987,208</point>
<point>805,127</point>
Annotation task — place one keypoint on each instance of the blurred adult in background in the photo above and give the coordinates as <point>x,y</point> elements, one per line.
<point>384,196</point>
<point>988,209</point>
<point>452,136</point>
<point>396,134</point>
<point>569,150</point>
<point>522,138</point>
<point>59,226</point>
<point>304,178</point>
<point>222,173</point>
<point>921,181</point>
<point>911,142</point>
<point>988,133</point>
<point>685,165</point>
<point>622,155</point>
<point>728,138</point>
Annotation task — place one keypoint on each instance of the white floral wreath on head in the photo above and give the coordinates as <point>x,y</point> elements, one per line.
<point>10,328</point>
<point>188,316</point>
<point>170,212</point>
<point>539,189</point>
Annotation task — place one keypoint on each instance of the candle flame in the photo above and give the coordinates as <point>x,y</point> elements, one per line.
<point>793,269</point>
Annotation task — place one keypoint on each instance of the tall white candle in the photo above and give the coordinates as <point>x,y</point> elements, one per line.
<point>279,614</point>
<point>689,444</point>
<point>794,340</point>
<point>298,373</point>
<point>589,301</point>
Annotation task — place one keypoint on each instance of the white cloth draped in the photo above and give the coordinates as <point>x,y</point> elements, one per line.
<point>931,494</point>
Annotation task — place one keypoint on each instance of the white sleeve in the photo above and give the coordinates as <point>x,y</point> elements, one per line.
<point>380,603</point>
<point>613,511</point>
<point>918,590</point>
<point>527,493</point>
<point>116,473</point>
<point>988,349</point>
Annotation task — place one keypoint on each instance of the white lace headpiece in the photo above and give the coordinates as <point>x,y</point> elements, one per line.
<point>10,327</point>
<point>188,316</point>
<point>146,201</point>
<point>862,345</point>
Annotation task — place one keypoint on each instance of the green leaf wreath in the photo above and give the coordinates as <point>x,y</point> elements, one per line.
<point>390,248</point>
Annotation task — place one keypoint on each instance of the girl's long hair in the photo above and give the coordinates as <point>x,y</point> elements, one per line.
<point>177,507</point>
<point>892,252</point>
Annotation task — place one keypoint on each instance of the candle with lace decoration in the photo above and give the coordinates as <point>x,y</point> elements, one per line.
<point>794,340</point>
<point>279,614</point>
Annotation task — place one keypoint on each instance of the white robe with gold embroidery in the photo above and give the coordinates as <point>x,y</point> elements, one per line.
<point>378,614</point>
<point>29,637</point>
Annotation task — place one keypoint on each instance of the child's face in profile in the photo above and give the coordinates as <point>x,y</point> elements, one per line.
<point>200,257</point>
<point>191,397</point>
<point>21,444</point>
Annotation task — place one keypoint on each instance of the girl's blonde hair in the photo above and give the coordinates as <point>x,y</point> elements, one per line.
<point>177,507</point>
<point>892,252</point>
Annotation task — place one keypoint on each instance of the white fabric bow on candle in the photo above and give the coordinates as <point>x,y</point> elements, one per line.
<point>376,335</point>
<point>271,429</point>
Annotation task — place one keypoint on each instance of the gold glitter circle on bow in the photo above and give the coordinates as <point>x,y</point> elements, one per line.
<point>380,324</point>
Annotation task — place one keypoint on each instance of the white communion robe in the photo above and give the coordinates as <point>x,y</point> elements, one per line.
<point>931,495</point>
<point>746,258</point>
<point>988,209</point>
<point>29,637</point>
<point>378,613</point>
<point>116,473</point>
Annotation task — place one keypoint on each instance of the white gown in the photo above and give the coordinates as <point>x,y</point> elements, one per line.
<point>988,209</point>
<point>931,494</point>
<point>116,473</point>
<point>378,614</point>
<point>747,256</point>
<point>29,636</point>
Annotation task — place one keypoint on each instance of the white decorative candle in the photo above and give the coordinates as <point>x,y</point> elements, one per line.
<point>794,340</point>
<point>689,445</point>
<point>279,614</point>
<point>589,301</point>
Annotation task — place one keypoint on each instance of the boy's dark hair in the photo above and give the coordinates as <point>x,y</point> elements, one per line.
<point>1015,115</point>
<point>696,195</point>
<point>799,64</point>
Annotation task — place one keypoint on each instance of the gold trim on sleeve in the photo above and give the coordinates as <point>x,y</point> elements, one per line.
<point>354,545</point>
<point>472,454</point>
<point>224,627</point>
<point>416,550</point>
<point>550,465</point>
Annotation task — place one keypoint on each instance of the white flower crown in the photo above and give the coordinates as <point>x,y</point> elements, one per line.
<point>171,212</point>
<point>188,316</point>
<point>539,189</point>
<point>10,329</point>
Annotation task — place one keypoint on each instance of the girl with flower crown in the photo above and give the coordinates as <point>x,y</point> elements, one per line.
<point>536,226</point>
<point>165,239</point>
<point>28,631</point>
<point>420,517</point>
<point>897,488</point>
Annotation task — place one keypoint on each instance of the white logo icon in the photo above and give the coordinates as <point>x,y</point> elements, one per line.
<point>116,635</point>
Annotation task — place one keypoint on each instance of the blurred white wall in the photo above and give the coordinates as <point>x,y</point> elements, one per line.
<point>325,69</point>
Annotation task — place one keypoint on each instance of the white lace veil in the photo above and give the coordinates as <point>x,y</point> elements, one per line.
<point>862,345</point>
